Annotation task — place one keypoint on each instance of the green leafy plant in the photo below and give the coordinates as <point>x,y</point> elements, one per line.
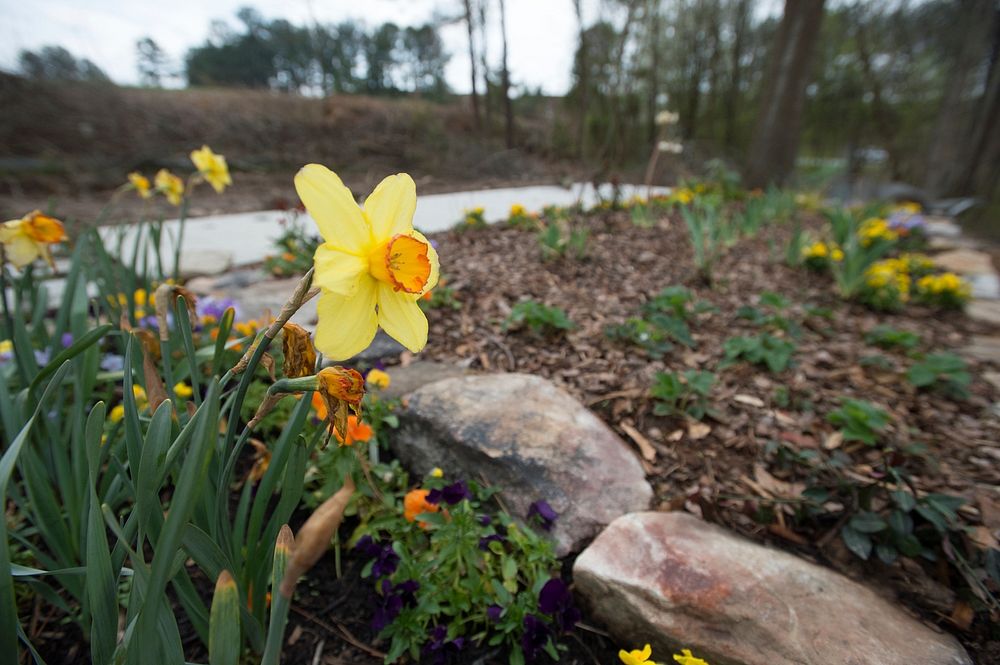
<point>887,337</point>
<point>772,316</point>
<point>294,249</point>
<point>859,420</point>
<point>648,336</point>
<point>764,349</point>
<point>441,296</point>
<point>449,570</point>
<point>682,393</point>
<point>945,372</point>
<point>538,317</point>
<point>710,233</point>
<point>559,238</point>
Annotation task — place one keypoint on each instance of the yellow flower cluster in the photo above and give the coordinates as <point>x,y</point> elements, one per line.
<point>141,402</point>
<point>908,207</point>
<point>377,378</point>
<point>820,250</point>
<point>683,196</point>
<point>140,297</point>
<point>643,657</point>
<point>889,273</point>
<point>517,210</point>
<point>874,229</point>
<point>947,282</point>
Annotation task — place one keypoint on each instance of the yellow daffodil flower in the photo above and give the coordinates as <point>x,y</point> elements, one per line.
<point>685,658</point>
<point>378,379</point>
<point>140,184</point>
<point>372,266</point>
<point>172,186</point>
<point>28,238</point>
<point>212,167</point>
<point>637,657</point>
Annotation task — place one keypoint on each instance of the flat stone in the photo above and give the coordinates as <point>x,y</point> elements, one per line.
<point>405,379</point>
<point>987,311</point>
<point>985,286</point>
<point>532,440</point>
<point>965,262</point>
<point>992,378</point>
<point>941,227</point>
<point>195,262</point>
<point>382,348</point>
<point>672,580</point>
<point>983,347</point>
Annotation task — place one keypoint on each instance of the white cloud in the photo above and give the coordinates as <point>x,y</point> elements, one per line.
<point>542,33</point>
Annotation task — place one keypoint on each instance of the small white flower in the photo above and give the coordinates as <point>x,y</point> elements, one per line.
<point>671,147</point>
<point>667,118</point>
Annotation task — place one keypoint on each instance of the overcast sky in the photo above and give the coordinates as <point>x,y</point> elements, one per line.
<point>542,33</point>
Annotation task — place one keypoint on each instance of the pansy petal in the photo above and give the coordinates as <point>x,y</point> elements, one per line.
<point>432,254</point>
<point>346,325</point>
<point>401,317</point>
<point>338,271</point>
<point>332,206</point>
<point>390,206</point>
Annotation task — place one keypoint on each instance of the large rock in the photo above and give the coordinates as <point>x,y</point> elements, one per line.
<point>983,347</point>
<point>674,581</point>
<point>987,311</point>
<point>530,439</point>
<point>965,262</point>
<point>407,378</point>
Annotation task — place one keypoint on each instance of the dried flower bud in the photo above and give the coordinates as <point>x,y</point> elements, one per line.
<point>315,535</point>
<point>300,356</point>
<point>342,390</point>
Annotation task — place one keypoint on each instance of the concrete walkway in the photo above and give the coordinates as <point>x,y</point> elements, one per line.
<point>216,243</point>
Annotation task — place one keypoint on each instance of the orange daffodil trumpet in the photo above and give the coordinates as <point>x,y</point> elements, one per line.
<point>372,266</point>
<point>28,238</point>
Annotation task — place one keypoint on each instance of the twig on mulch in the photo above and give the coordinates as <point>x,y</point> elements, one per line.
<point>338,627</point>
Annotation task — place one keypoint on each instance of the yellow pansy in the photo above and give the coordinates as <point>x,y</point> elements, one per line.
<point>685,658</point>
<point>6,347</point>
<point>436,472</point>
<point>837,254</point>
<point>28,238</point>
<point>183,390</point>
<point>140,184</point>
<point>140,297</point>
<point>117,413</point>
<point>212,167</point>
<point>378,379</point>
<point>372,266</point>
<point>172,186</point>
<point>637,657</point>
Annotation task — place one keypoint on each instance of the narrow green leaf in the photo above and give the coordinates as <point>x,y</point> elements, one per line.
<point>224,625</point>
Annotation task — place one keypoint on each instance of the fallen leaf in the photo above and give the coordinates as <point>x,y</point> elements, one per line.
<point>676,435</point>
<point>962,615</point>
<point>698,430</point>
<point>833,441</point>
<point>645,447</point>
<point>749,400</point>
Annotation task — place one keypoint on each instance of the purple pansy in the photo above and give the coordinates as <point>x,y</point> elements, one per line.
<point>556,600</point>
<point>543,512</point>
<point>534,638</point>
<point>450,494</point>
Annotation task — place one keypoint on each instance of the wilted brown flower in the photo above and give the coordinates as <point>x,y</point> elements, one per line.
<point>342,390</point>
<point>300,356</point>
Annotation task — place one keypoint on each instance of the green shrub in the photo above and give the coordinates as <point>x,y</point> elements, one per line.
<point>887,337</point>
<point>765,349</point>
<point>682,393</point>
<point>859,420</point>
<point>539,318</point>
<point>944,372</point>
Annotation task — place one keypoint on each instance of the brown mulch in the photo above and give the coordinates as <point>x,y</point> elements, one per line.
<point>723,472</point>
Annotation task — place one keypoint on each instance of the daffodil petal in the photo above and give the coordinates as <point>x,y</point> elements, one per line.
<point>330,203</point>
<point>347,324</point>
<point>21,250</point>
<point>390,206</point>
<point>432,254</point>
<point>401,317</point>
<point>338,271</point>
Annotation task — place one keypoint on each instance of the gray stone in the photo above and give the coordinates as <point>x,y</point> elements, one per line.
<point>965,262</point>
<point>983,347</point>
<point>993,378</point>
<point>987,311</point>
<point>405,379</point>
<point>985,286</point>
<point>674,581</point>
<point>532,440</point>
<point>195,262</point>
<point>382,348</point>
<point>942,227</point>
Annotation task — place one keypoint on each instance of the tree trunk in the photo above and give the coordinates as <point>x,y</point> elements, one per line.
<point>779,120</point>
<point>472,63</point>
<point>583,82</point>
<point>948,158</point>
<point>654,69</point>
<point>981,175</point>
<point>741,24</point>
<point>508,109</point>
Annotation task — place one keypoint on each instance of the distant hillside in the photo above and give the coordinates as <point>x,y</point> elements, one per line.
<point>72,141</point>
